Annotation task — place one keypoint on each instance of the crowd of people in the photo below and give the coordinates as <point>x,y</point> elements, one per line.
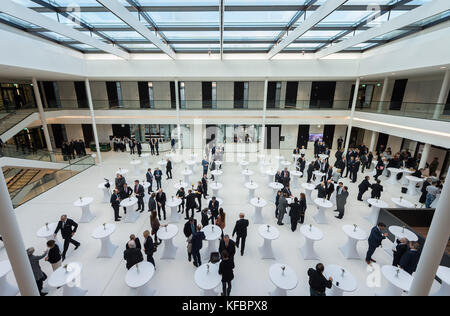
<point>73,149</point>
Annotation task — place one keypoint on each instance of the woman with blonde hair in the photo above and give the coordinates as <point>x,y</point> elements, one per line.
<point>154,224</point>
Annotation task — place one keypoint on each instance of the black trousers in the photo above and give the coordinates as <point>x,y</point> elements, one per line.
<point>241,240</point>
<point>187,212</point>
<point>199,199</point>
<point>197,257</point>
<point>169,174</point>
<point>150,189</point>
<point>329,195</point>
<point>341,213</point>
<point>163,208</point>
<point>131,150</point>
<point>152,150</point>
<point>181,206</point>
<point>309,178</point>
<point>354,176</point>
<point>151,260</point>
<point>226,288</point>
<point>140,204</point>
<point>302,219</point>
<point>213,219</point>
<point>293,224</point>
<point>370,252</point>
<point>116,212</point>
<point>158,184</point>
<point>360,194</point>
<point>157,150</point>
<point>40,283</point>
<point>68,241</point>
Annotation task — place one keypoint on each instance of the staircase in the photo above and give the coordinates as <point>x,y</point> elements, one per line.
<point>24,177</point>
<point>9,120</point>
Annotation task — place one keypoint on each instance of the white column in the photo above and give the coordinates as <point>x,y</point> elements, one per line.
<point>352,113</point>
<point>177,101</point>
<point>424,157</point>
<point>15,248</point>
<point>94,126</point>
<point>383,94</point>
<point>37,96</point>
<point>373,139</point>
<point>442,95</point>
<point>263,131</point>
<point>434,247</point>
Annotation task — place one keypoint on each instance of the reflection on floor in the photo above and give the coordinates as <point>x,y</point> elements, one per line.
<point>176,277</point>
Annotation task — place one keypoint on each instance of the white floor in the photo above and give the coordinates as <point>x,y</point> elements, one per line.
<point>176,277</point>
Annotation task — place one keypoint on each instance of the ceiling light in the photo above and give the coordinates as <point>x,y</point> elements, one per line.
<point>443,67</point>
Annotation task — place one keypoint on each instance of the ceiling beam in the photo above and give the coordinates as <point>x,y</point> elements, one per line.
<point>227,8</point>
<point>126,16</point>
<point>425,11</point>
<point>325,9</point>
<point>23,13</point>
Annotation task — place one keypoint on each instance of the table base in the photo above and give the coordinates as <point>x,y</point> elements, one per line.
<point>169,250</point>
<point>308,251</point>
<point>266,250</point>
<point>373,217</point>
<point>6,288</point>
<point>73,291</point>
<point>258,217</point>
<point>107,249</point>
<point>174,215</point>
<point>86,215</point>
<point>349,249</point>
<point>106,195</point>
<point>145,290</point>
<point>131,216</point>
<point>212,292</point>
<point>212,247</point>
<point>390,290</point>
<point>320,216</point>
<point>278,292</point>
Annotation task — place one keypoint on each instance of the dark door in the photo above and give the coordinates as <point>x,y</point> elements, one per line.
<point>291,93</point>
<point>382,140</point>
<point>271,94</point>
<point>328,135</point>
<point>173,98</point>
<point>397,94</point>
<point>273,133</point>
<point>211,133</point>
<point>121,130</point>
<point>207,95</point>
<point>111,90</point>
<point>239,94</point>
<point>50,94</point>
<point>447,105</point>
<point>88,134</point>
<point>59,134</point>
<point>322,94</point>
<point>303,136</point>
<point>144,96</point>
<point>80,90</point>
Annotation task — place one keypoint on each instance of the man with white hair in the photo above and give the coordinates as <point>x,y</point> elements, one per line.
<point>39,276</point>
<point>132,255</point>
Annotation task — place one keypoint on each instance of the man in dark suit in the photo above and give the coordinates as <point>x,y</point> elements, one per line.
<point>139,193</point>
<point>169,169</point>
<point>375,239</point>
<point>139,148</point>
<point>149,247</point>
<point>338,155</point>
<point>321,190</point>
<point>339,142</point>
<point>125,193</point>
<point>317,281</point>
<point>132,145</point>
<point>278,177</point>
<point>240,229</point>
<point>341,199</point>
<point>363,187</point>
<point>68,228</point>
<point>329,187</point>
<point>158,175</point>
<point>152,146</point>
<point>197,242</point>
<point>190,203</point>
<point>350,162</point>
<point>152,203</point>
<point>287,190</point>
<point>132,255</point>
<point>189,227</point>
<point>229,245</point>
<point>161,203</point>
<point>149,176</point>
<point>355,169</point>
<point>310,172</point>
<point>377,188</point>
<point>205,186</point>
<point>410,259</point>
<point>286,177</point>
<point>301,165</point>
<point>157,147</point>
<point>115,204</point>
<point>400,249</point>
<point>213,207</point>
<point>205,218</point>
<point>119,181</point>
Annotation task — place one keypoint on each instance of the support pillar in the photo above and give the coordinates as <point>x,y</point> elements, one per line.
<point>94,126</point>
<point>14,245</point>
<point>263,131</point>
<point>442,95</point>
<point>352,113</point>
<point>424,157</point>
<point>373,139</point>
<point>434,247</point>
<point>37,96</point>
<point>178,114</point>
<point>383,94</point>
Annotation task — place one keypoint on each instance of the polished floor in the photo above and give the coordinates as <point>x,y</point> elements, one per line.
<point>176,277</point>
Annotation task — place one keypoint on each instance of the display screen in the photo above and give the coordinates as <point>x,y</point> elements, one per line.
<point>313,137</point>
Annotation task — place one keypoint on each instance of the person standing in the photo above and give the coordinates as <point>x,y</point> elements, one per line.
<point>197,242</point>
<point>205,165</point>
<point>355,169</point>
<point>221,220</point>
<point>39,276</point>
<point>205,186</point>
<point>149,177</point>
<point>341,199</point>
<point>318,282</point>
<point>363,187</point>
<point>161,203</point>
<point>154,224</point>
<point>115,204</point>
<point>339,142</point>
<point>282,205</point>
<point>190,203</point>
<point>152,146</point>
<point>400,249</point>
<point>125,193</point>
<point>199,193</point>
<point>329,188</point>
<point>139,193</point>
<point>132,145</point>
<point>376,237</point>
<point>294,213</point>
<point>240,229</point>
<point>132,255</point>
<point>181,195</point>
<point>169,169</point>
<point>54,255</point>
<point>152,203</point>
<point>226,267</point>
<point>157,147</point>
<point>139,148</point>
<point>377,188</point>
<point>172,144</point>
<point>432,191</point>
<point>423,196</point>
<point>321,190</point>
<point>410,259</point>
<point>309,172</point>
<point>136,241</point>
<point>433,167</point>
<point>228,245</point>
<point>213,207</point>
<point>68,229</point>
<point>149,247</point>
<point>158,175</point>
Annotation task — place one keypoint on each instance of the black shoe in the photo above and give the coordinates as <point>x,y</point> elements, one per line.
<point>141,211</point>
<point>198,211</point>
<point>63,258</point>
<point>77,246</point>
<point>338,217</point>
<point>117,220</point>
<point>119,217</point>
<point>44,294</point>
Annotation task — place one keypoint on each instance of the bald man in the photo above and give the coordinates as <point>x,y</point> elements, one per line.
<point>240,229</point>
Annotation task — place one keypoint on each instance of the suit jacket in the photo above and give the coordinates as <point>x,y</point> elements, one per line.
<point>287,191</point>
<point>317,281</point>
<point>137,242</point>
<point>205,184</point>
<point>294,212</point>
<point>197,240</point>
<point>149,177</point>
<point>114,202</point>
<point>231,249</point>
<point>322,191</point>
<point>124,194</point>
<point>278,178</point>
<point>376,237</point>
<point>54,254</point>
<point>341,199</point>
<point>205,219</point>
<point>151,204</point>
<point>67,229</point>
<point>282,204</point>
<point>132,256</point>
<point>377,189</point>
<point>139,190</point>
<point>149,246</point>
<point>169,165</point>
<point>119,182</point>
<point>364,185</point>
<point>214,208</point>
<point>329,187</point>
<point>241,227</point>
<point>161,198</point>
<point>34,261</point>
<point>188,229</point>
<point>190,200</point>
<point>157,174</point>
<point>355,166</point>
<point>400,250</point>
<point>310,169</point>
<point>409,261</point>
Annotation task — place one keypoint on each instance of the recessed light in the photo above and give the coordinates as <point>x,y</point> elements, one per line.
<point>443,67</point>
<point>393,73</point>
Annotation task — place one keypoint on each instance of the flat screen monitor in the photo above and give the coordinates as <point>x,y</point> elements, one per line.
<point>313,137</point>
